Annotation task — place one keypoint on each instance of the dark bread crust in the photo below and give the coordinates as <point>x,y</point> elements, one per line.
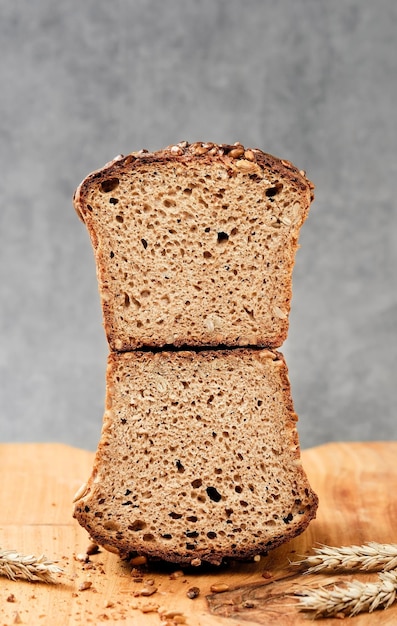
<point>264,322</point>
<point>110,478</point>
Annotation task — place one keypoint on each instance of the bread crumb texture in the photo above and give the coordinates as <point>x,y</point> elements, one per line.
<point>195,245</point>
<point>199,457</point>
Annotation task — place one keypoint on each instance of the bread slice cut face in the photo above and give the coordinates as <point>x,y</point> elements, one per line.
<point>195,245</point>
<point>199,457</point>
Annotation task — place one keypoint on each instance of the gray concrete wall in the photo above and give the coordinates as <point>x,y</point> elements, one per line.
<point>311,81</point>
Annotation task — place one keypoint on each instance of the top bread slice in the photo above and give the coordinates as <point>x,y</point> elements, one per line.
<point>195,245</point>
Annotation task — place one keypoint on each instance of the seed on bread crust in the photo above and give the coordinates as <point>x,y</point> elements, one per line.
<point>81,492</point>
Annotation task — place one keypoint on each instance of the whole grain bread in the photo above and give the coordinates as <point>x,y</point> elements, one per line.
<point>199,457</point>
<point>195,245</point>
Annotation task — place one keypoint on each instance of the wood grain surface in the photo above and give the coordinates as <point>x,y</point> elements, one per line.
<point>357,487</point>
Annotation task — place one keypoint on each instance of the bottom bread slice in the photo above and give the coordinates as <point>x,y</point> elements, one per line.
<point>199,458</point>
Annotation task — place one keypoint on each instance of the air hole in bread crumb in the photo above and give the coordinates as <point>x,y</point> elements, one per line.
<point>196,483</point>
<point>120,219</point>
<point>207,254</point>
<point>213,494</point>
<point>273,191</point>
<point>238,489</point>
<point>113,200</point>
<point>126,300</point>
<point>148,537</point>
<point>192,518</point>
<point>211,535</point>
<point>222,236</point>
<point>137,525</point>
<point>192,534</point>
<point>144,243</point>
<point>175,515</point>
<point>168,203</point>
<point>110,184</point>
<point>179,466</point>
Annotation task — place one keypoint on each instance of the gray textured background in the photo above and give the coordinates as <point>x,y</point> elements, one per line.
<point>307,80</point>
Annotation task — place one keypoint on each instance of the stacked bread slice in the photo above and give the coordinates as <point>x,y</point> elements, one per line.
<point>199,456</point>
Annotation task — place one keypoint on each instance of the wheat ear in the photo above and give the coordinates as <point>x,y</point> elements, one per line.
<point>369,557</point>
<point>349,599</point>
<point>27,567</point>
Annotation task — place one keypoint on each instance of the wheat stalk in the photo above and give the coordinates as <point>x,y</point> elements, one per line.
<point>27,567</point>
<point>349,599</point>
<point>370,556</point>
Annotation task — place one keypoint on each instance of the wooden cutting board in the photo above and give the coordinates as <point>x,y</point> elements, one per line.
<point>357,487</point>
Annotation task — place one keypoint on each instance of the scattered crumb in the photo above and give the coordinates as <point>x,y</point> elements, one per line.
<point>267,574</point>
<point>193,592</point>
<point>177,574</point>
<point>147,591</point>
<point>86,584</point>
<point>109,604</point>
<point>175,616</point>
<point>150,608</point>
<point>11,598</point>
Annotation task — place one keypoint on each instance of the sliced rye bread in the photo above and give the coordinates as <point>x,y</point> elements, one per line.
<point>195,245</point>
<point>199,458</point>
